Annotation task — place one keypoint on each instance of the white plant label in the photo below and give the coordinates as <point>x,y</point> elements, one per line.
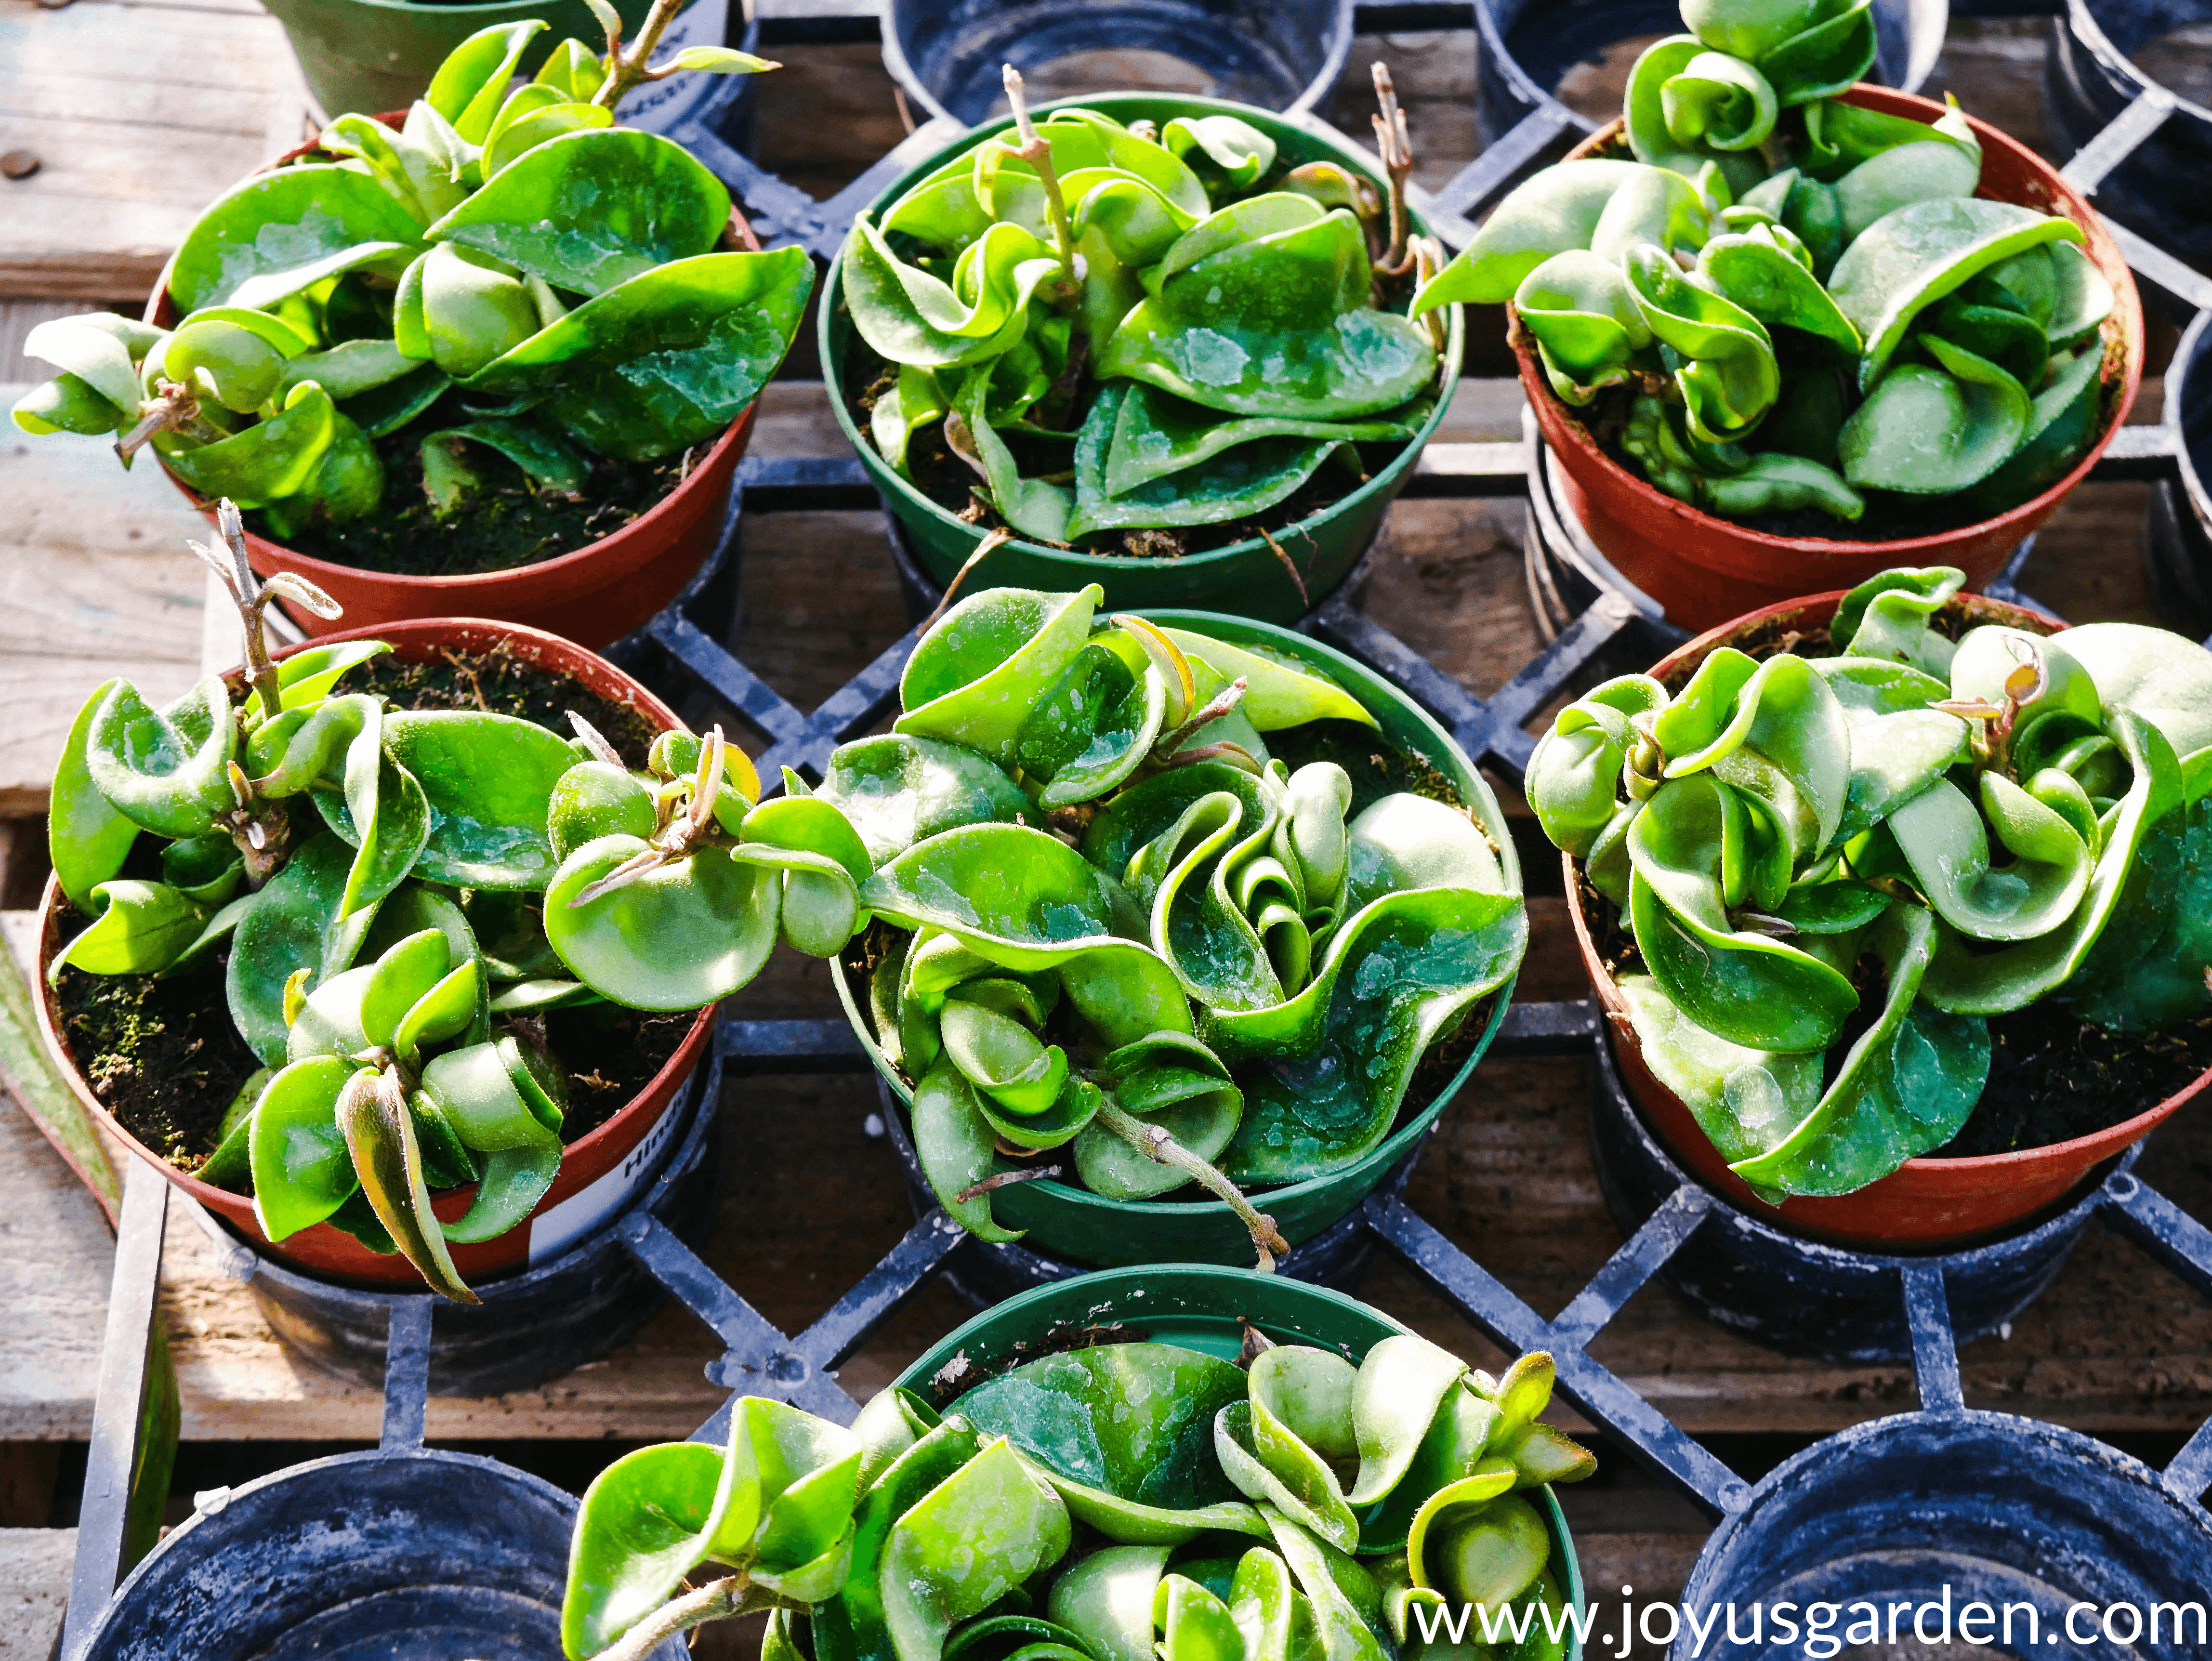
<point>661,106</point>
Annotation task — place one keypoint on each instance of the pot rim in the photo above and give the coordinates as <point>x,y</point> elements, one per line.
<point>1407,1136</point>
<point>2127,314</point>
<point>430,632</point>
<point>2097,1145</point>
<point>473,585</point>
<point>1386,482</point>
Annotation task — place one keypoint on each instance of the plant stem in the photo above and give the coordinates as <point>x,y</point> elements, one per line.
<point>175,411</point>
<point>629,68</point>
<point>1396,146</point>
<point>718,1600</point>
<point>1154,1144</point>
<point>1037,153</point>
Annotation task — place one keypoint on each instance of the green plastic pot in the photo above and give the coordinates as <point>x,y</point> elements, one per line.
<point>1074,1224</point>
<point>1200,1308</point>
<point>369,55</point>
<point>1245,577</point>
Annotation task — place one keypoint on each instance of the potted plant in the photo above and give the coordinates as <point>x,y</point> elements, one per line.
<point>1894,900</point>
<point>1783,331</point>
<point>399,968</point>
<point>495,357</point>
<point>1150,902</point>
<point>1291,1469</point>
<point>1158,343</point>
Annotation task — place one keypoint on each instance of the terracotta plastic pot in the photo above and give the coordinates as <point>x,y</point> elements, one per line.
<point>600,1173</point>
<point>1246,578</point>
<point>1070,1222</point>
<point>1705,570</point>
<point>593,595</point>
<point>1926,1204</point>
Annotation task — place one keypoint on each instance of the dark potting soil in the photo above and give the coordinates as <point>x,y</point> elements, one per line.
<point>504,682</point>
<point>162,1052</point>
<point>950,482</point>
<point>2053,1077</point>
<point>512,521</point>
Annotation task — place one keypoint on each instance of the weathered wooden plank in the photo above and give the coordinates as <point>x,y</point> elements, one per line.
<point>34,1575</point>
<point>95,582</point>
<point>140,115</point>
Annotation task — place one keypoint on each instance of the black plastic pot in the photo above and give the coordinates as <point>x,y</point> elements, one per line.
<point>530,1327</point>
<point>1799,1296</point>
<point>428,1555</point>
<point>2164,189</point>
<point>1279,54</point>
<point>2177,551</point>
<point>1988,1507</point>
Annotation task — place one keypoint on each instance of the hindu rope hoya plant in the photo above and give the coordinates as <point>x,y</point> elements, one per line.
<point>1119,329</point>
<point>1780,303</point>
<point>505,275</point>
<point>1114,1503</point>
<point>1836,868</point>
<point>407,898</point>
<point>1118,918</point>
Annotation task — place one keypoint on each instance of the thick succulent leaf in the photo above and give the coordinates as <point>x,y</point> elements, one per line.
<point>102,350</point>
<point>1574,774</point>
<point>1745,1100</point>
<point>301,1170</point>
<point>1400,1386</point>
<point>1334,1061</point>
<point>1196,1107</point>
<point>87,838</point>
<point>164,769</point>
<point>1994,982</point>
<point>489,781</point>
<point>678,937</point>
<point>1889,617</point>
<point>137,929</point>
<point>69,404</point>
<point>1092,726</point>
<point>1336,1586</point>
<point>1934,429</point>
<point>1748,988</point>
<point>398,979</point>
<point>910,316</point>
<point>1308,1392</point>
<point>668,358</point>
<point>1108,1598</point>
<point>964,1545</point>
<point>1728,377</point>
<point>418,176</point>
<point>2062,422</point>
<point>1231,152</point>
<point>974,677</point>
<point>1024,897</point>
<point>1555,209</point>
<point>1771,279</point>
<point>2147,969</point>
<point>268,461</point>
<point>1825,57</point>
<point>1585,320</point>
<point>294,924</point>
<point>1274,1467</point>
<point>900,789</point>
<point>1773,729</point>
<point>1896,757</point>
<point>1947,844</point>
<point>1839,137</point>
<point>1215,332</point>
<point>1451,1448</point>
<point>238,357</point>
<point>277,226</point>
<point>955,1145</point>
<point>1905,1088</point>
<point>306,678</point>
<point>2163,677</point>
<point>1917,254</point>
<point>1244,479</point>
<point>591,209</point>
<point>597,798</point>
<point>1155,436</point>
<point>851,1627</point>
<point>1926,171</point>
<point>1278,693</point>
<point>1473,1549</point>
<point>1121,1422</point>
<point>1033,507</point>
<point>527,121</point>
